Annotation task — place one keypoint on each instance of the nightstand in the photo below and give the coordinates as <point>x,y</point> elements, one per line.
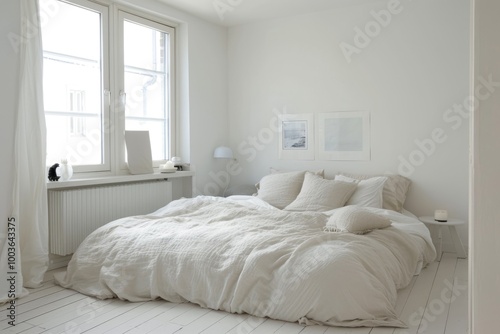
<point>451,225</point>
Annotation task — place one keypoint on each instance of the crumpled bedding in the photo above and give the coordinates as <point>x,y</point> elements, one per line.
<point>242,255</point>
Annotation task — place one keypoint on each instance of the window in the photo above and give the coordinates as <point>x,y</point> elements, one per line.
<point>86,112</point>
<point>147,80</point>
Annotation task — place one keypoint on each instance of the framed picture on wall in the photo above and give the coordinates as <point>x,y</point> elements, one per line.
<point>296,136</point>
<point>344,135</point>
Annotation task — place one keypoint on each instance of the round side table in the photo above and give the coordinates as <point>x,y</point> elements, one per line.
<point>451,225</point>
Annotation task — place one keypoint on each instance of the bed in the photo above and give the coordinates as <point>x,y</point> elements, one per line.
<point>247,254</point>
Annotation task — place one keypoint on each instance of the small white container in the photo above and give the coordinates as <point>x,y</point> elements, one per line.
<point>168,167</point>
<point>441,215</point>
<point>64,171</point>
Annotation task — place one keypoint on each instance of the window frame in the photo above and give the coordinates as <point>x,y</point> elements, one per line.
<point>112,84</point>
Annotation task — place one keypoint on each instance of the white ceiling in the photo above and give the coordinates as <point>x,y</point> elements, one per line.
<point>235,12</point>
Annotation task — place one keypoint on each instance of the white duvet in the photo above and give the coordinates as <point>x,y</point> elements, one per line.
<point>244,256</point>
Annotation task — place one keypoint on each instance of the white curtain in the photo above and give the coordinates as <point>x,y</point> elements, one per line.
<point>29,208</point>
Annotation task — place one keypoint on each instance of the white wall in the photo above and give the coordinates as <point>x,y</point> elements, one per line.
<point>485,216</point>
<point>410,74</point>
<point>208,100</point>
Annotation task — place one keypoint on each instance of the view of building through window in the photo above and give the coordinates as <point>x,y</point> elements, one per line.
<point>146,84</point>
<point>73,85</point>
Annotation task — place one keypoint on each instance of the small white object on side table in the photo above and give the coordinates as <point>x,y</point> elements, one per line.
<point>451,224</point>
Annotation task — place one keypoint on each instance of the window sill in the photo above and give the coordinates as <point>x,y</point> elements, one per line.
<point>115,179</point>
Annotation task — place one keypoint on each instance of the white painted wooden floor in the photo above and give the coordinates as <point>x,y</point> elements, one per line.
<point>434,302</point>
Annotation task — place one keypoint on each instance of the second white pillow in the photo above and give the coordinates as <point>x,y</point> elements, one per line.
<point>368,193</point>
<point>318,194</point>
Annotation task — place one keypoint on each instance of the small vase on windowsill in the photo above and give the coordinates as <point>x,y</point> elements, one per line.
<point>64,171</point>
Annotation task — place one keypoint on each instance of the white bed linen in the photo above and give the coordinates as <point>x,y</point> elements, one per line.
<point>242,255</point>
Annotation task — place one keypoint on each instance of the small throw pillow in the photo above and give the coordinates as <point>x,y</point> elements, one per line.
<point>355,219</point>
<point>318,194</point>
<point>368,192</point>
<point>280,189</point>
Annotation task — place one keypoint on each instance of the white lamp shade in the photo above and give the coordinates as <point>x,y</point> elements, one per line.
<point>223,152</point>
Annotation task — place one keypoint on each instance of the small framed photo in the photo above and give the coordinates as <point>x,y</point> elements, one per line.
<point>344,135</point>
<point>296,136</point>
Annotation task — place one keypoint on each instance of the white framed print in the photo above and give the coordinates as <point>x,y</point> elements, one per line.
<point>296,139</point>
<point>344,135</point>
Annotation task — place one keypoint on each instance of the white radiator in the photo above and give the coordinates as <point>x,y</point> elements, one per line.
<point>75,213</point>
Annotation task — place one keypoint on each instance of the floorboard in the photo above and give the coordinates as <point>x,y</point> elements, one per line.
<point>226,324</point>
<point>457,316</point>
<point>314,330</point>
<point>268,327</point>
<point>156,318</point>
<point>435,302</point>
<point>247,326</point>
<point>415,305</point>
<point>437,308</point>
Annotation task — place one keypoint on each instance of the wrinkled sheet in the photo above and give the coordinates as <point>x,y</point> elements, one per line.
<point>242,255</point>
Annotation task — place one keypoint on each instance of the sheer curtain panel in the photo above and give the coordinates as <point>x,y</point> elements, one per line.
<point>29,231</point>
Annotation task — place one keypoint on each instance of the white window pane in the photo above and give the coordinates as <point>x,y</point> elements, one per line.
<point>72,84</point>
<point>77,139</point>
<point>156,135</point>
<point>62,77</point>
<point>73,31</point>
<point>145,83</point>
<point>149,42</point>
<point>145,95</point>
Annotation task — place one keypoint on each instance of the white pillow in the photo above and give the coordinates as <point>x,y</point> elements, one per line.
<point>280,189</point>
<point>355,219</point>
<point>318,194</point>
<point>395,189</point>
<point>368,193</point>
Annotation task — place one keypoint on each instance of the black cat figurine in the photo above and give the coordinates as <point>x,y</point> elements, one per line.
<point>52,173</point>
